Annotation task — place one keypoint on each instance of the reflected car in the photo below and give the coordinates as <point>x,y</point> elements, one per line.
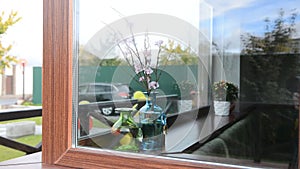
<point>97,92</point>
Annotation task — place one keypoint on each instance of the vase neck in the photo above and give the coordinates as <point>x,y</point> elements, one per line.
<point>152,94</point>
<point>151,99</point>
<point>125,115</point>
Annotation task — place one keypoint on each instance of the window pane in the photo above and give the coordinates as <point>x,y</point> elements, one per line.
<point>224,79</point>
<point>82,89</point>
<point>100,88</point>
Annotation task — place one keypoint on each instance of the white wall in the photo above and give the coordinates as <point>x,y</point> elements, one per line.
<point>28,80</point>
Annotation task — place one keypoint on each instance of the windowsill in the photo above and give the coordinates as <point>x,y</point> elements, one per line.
<point>214,125</point>
<point>190,122</point>
<point>227,161</point>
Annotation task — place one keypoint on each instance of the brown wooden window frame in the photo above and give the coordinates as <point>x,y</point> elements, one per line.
<point>57,103</point>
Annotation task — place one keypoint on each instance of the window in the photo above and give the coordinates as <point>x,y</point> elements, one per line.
<point>82,89</point>
<point>98,88</point>
<point>118,48</point>
<point>58,87</point>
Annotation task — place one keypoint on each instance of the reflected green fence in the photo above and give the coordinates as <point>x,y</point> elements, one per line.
<point>172,78</point>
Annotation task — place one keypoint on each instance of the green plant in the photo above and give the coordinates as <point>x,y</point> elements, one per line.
<point>5,58</point>
<point>186,89</point>
<point>225,91</point>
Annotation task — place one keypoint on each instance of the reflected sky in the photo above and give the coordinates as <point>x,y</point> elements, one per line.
<point>234,18</point>
<point>95,14</point>
<point>230,19</point>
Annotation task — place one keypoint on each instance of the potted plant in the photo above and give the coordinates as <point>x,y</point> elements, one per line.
<point>187,92</point>
<point>225,94</point>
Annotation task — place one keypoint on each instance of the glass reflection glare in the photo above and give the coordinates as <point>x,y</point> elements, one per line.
<point>252,43</point>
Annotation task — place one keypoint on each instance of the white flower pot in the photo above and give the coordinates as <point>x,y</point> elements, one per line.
<point>184,105</point>
<point>222,108</point>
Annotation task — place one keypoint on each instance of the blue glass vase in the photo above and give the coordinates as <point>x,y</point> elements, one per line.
<point>152,121</point>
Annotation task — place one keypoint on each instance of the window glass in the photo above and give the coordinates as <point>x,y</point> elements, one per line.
<point>109,89</point>
<point>92,88</point>
<point>100,88</point>
<point>82,89</point>
<point>220,79</point>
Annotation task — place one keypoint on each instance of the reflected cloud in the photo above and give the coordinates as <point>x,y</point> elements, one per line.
<point>231,19</point>
<point>221,6</point>
<point>297,34</point>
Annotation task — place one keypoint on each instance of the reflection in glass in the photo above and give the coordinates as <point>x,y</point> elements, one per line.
<point>153,122</point>
<point>127,131</point>
<point>254,44</point>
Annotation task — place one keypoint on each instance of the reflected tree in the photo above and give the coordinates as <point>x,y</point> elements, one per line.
<point>176,54</point>
<point>268,62</point>
<point>88,59</point>
<point>277,37</point>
